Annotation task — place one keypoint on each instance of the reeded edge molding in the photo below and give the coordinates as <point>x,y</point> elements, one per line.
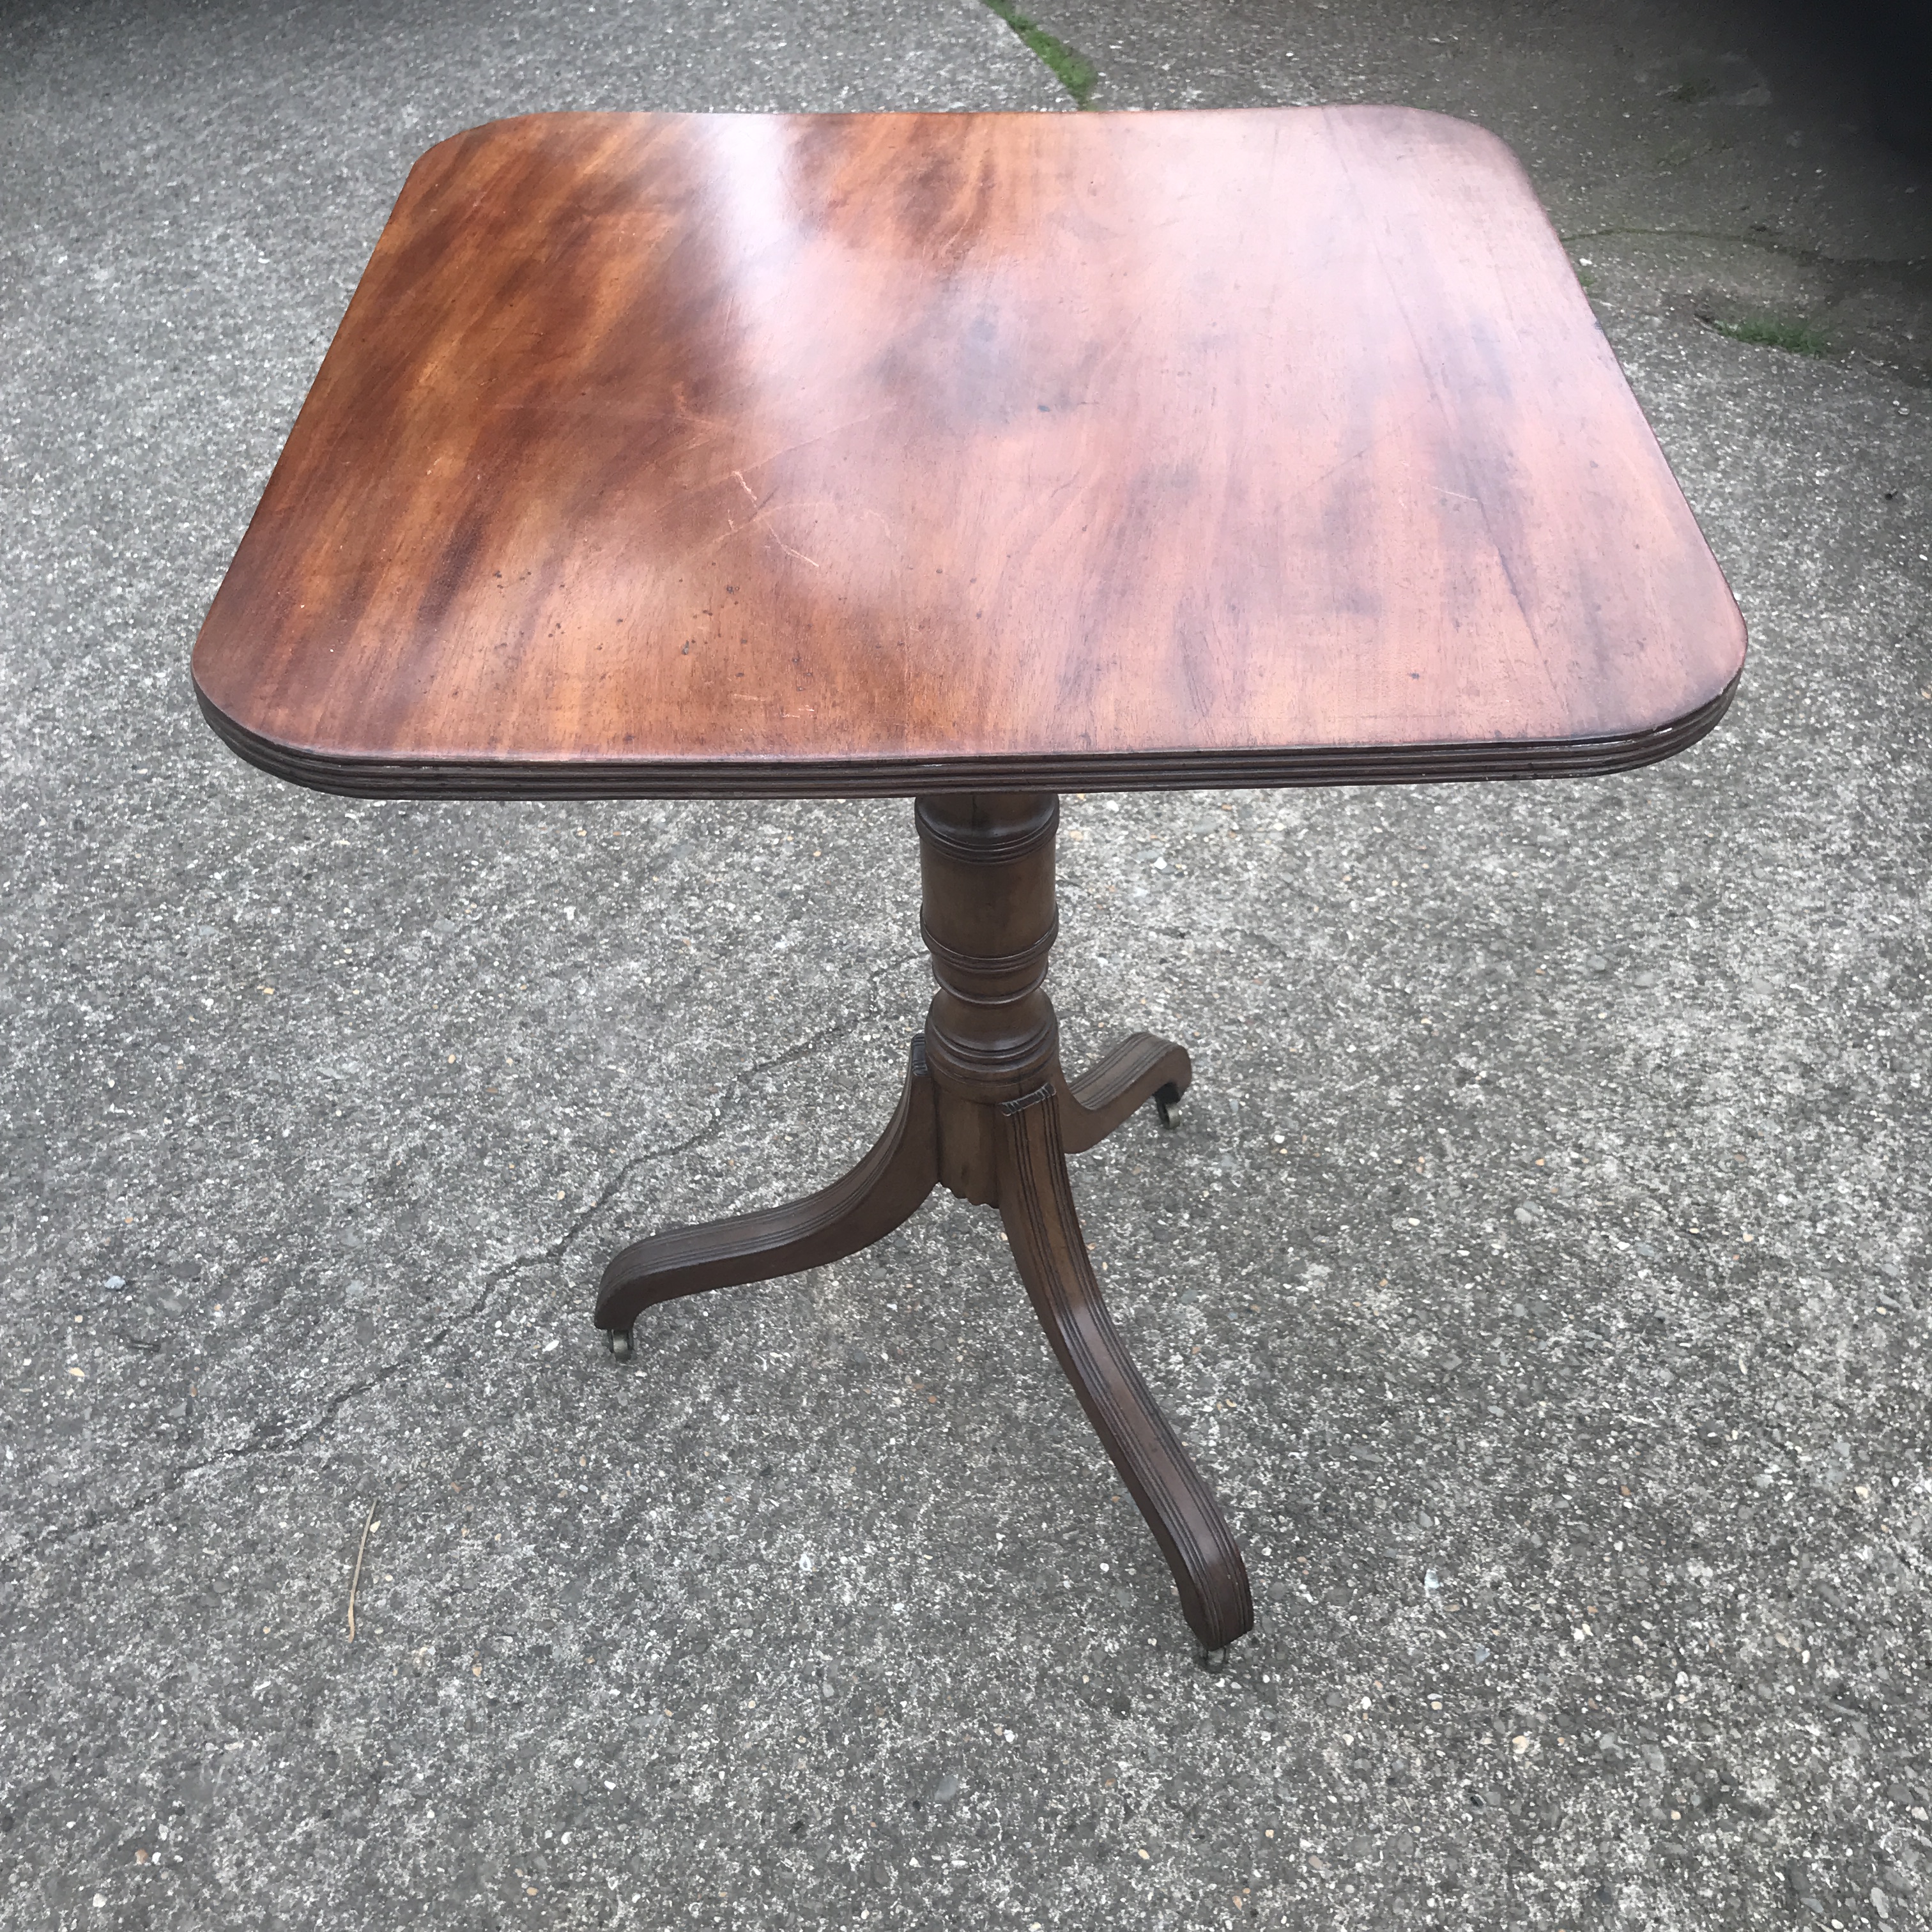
<point>913,778</point>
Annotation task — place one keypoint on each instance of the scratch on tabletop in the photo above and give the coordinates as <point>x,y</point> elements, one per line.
<point>758,517</point>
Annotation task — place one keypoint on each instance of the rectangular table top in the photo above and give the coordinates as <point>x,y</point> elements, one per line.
<point>664,455</point>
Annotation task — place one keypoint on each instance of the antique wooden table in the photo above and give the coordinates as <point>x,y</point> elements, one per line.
<point>968,457</point>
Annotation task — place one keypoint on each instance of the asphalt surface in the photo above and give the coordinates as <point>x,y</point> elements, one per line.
<point>1539,1273</point>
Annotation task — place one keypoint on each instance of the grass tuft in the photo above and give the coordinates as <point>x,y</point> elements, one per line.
<point>1770,331</point>
<point>1074,71</point>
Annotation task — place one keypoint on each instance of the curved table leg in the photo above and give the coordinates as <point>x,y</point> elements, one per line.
<point>856,1210</point>
<point>1144,1065</point>
<point>1036,1204</point>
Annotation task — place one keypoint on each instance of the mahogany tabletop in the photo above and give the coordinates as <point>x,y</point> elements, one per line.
<point>663,455</point>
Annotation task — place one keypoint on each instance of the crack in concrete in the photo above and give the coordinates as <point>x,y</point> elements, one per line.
<point>278,1441</point>
<point>1910,266</point>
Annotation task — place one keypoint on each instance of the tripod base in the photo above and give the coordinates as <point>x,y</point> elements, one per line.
<point>987,1112</point>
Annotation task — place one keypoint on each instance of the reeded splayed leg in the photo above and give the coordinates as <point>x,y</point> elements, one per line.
<point>1036,1204</point>
<point>1143,1067</point>
<point>884,1189</point>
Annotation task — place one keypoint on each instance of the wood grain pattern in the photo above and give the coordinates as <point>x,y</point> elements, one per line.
<point>664,455</point>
